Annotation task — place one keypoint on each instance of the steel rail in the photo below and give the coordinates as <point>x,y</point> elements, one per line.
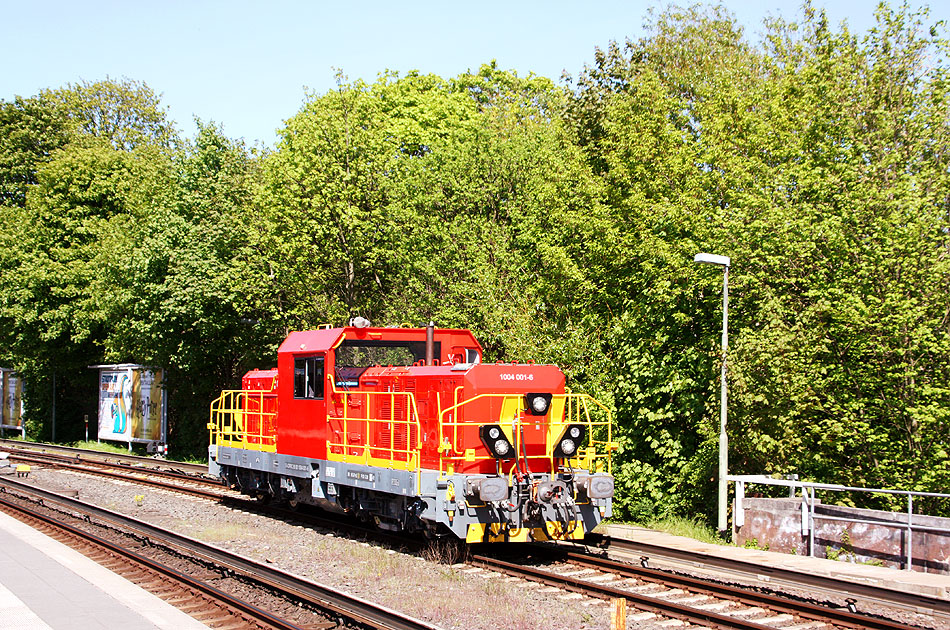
<point>206,494</point>
<point>258,615</point>
<point>777,574</point>
<point>55,458</point>
<point>325,598</point>
<point>100,455</point>
<point>774,603</point>
<point>642,602</point>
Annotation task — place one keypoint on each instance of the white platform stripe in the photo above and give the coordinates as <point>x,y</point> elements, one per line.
<point>161,614</point>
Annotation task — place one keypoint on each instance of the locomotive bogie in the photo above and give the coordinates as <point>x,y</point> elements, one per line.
<point>406,427</point>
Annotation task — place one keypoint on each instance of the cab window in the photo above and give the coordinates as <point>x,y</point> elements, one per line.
<point>308,377</point>
<point>353,357</point>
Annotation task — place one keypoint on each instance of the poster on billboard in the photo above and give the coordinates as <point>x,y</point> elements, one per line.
<point>11,399</point>
<point>131,403</point>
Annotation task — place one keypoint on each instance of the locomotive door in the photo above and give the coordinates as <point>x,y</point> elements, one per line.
<point>309,404</point>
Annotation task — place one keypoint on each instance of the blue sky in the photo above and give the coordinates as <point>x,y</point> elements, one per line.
<point>247,65</point>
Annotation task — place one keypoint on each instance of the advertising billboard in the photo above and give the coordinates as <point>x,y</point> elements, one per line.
<point>131,403</point>
<point>11,399</point>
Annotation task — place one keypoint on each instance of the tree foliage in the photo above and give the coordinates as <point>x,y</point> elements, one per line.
<point>417,198</point>
<point>125,113</point>
<point>30,130</point>
<point>559,223</point>
<point>818,163</point>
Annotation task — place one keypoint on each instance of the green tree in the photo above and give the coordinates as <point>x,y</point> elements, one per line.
<point>126,113</point>
<point>852,275</point>
<point>78,224</point>
<point>417,198</point>
<point>30,130</point>
<point>819,165</point>
<point>643,112</point>
<point>78,199</point>
<point>181,288</point>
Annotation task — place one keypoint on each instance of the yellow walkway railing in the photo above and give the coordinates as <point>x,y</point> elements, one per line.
<point>383,428</point>
<point>388,440</point>
<point>239,419</point>
<point>568,408</point>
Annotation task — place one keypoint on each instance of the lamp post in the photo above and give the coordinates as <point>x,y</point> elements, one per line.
<point>722,261</point>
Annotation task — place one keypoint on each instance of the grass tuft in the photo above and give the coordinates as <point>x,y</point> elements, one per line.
<point>444,551</point>
<point>221,533</point>
<point>104,447</point>
<point>688,527</point>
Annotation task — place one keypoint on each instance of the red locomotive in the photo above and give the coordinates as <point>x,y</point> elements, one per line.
<point>408,427</point>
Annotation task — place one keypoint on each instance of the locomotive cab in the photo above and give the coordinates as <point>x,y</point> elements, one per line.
<point>410,428</point>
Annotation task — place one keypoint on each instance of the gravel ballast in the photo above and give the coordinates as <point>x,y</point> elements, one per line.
<point>427,587</point>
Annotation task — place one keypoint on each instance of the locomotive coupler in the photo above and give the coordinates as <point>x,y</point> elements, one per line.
<point>553,492</point>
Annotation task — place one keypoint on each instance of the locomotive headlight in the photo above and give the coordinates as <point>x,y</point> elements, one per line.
<point>495,441</point>
<point>537,404</point>
<point>570,440</point>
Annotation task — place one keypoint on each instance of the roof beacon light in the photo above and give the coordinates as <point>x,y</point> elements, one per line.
<point>360,322</point>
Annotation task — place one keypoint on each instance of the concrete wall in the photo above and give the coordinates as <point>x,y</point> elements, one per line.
<point>776,524</point>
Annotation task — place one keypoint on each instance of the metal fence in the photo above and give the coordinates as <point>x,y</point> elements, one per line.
<point>808,507</point>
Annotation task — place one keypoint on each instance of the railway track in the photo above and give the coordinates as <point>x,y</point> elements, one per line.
<point>187,593</point>
<point>204,590</point>
<point>659,594</point>
<point>81,454</point>
<point>680,560</point>
<point>172,480</point>
<point>655,594</point>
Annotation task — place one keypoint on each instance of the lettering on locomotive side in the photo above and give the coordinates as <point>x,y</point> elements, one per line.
<point>361,476</point>
<point>291,466</point>
<point>516,377</point>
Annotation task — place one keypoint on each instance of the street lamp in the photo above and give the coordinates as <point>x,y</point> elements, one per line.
<point>722,261</point>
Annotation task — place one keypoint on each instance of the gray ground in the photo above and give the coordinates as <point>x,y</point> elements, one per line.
<point>428,589</point>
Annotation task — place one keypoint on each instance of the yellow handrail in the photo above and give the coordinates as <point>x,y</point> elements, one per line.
<point>365,452</point>
<point>576,409</point>
<point>238,419</point>
<point>234,412</point>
